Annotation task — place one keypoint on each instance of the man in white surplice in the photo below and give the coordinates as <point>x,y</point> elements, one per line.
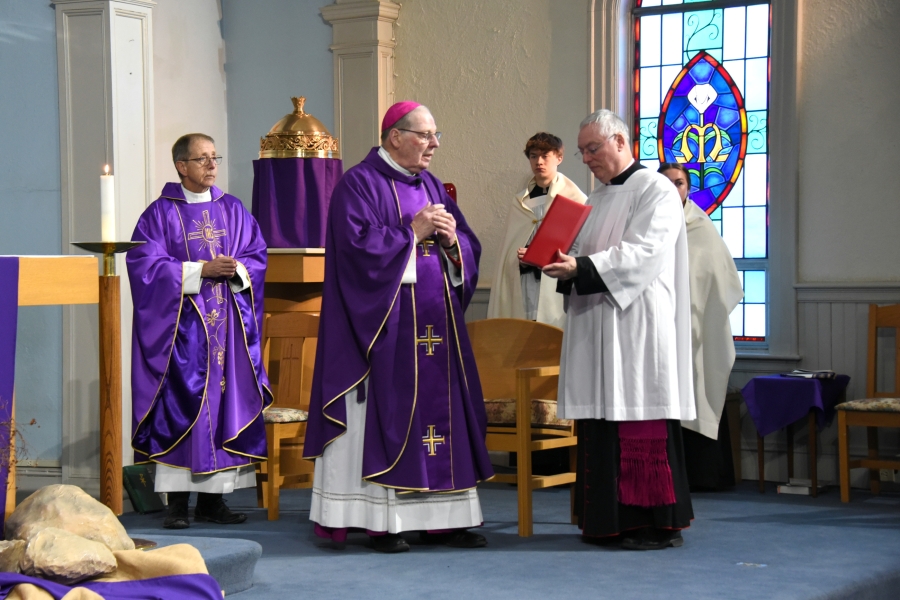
<point>626,361</point>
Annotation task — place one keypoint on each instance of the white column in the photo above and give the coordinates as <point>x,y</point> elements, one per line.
<point>363,47</point>
<point>106,117</point>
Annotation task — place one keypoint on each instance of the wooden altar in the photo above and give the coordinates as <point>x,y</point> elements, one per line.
<point>46,280</point>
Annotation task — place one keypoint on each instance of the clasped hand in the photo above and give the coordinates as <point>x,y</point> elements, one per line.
<point>435,219</point>
<point>220,266</point>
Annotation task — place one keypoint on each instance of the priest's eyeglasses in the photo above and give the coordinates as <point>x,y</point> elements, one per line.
<point>204,160</point>
<point>425,136</point>
<point>592,150</point>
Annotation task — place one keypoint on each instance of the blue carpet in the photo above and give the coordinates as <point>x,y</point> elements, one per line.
<point>232,564</point>
<point>742,544</point>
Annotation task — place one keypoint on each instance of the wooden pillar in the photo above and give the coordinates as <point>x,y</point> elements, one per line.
<point>110,394</point>
<point>105,73</point>
<point>363,48</point>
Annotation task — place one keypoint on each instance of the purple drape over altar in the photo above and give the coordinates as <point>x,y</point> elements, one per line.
<point>290,199</point>
<point>9,308</point>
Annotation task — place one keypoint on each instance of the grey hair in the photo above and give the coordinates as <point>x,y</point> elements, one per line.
<point>181,150</point>
<point>404,123</point>
<point>609,124</point>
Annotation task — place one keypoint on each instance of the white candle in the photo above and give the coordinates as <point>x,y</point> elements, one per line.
<point>107,206</point>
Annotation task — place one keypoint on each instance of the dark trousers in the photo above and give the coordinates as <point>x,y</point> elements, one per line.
<point>597,506</point>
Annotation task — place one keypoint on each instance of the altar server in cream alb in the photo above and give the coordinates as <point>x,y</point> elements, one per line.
<point>626,371</point>
<point>397,422</point>
<point>198,385</point>
<point>519,291</point>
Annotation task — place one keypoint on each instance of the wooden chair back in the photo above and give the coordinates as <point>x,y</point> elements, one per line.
<point>289,347</point>
<point>881,318</point>
<point>503,345</point>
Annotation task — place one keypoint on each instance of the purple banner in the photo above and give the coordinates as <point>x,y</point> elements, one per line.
<point>290,199</point>
<point>9,309</point>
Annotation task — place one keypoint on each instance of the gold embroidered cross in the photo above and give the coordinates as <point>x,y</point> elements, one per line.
<point>217,293</point>
<point>431,441</point>
<point>207,233</point>
<point>426,244</point>
<point>429,340</point>
<point>142,480</point>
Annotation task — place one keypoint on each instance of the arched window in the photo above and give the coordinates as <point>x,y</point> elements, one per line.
<point>701,98</point>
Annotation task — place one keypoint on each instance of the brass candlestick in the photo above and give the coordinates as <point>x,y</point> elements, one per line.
<point>110,372</point>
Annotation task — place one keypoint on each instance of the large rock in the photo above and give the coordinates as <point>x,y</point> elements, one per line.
<point>11,553</point>
<point>69,508</point>
<point>65,557</point>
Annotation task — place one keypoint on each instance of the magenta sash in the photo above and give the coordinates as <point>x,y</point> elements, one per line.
<point>645,478</point>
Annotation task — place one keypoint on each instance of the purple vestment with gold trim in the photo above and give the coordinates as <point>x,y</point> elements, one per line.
<point>198,384</point>
<point>425,419</point>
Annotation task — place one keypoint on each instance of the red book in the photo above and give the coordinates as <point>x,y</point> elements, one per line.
<point>557,231</point>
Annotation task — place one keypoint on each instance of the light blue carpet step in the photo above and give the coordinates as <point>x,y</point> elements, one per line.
<point>230,561</point>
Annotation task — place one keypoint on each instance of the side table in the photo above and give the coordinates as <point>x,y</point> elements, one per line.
<point>776,402</point>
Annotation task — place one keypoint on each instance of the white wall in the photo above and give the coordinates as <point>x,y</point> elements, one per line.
<point>493,74</point>
<point>30,214</point>
<point>849,205</point>
<point>189,82</point>
<point>275,49</point>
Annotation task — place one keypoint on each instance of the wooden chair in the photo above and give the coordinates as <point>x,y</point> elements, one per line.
<point>285,337</point>
<point>877,409</point>
<point>518,362</point>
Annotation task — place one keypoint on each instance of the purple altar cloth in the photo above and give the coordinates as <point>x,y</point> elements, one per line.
<point>197,586</point>
<point>774,401</point>
<point>291,197</point>
<point>9,310</point>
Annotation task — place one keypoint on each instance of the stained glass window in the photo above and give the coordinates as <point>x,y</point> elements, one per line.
<point>701,98</point>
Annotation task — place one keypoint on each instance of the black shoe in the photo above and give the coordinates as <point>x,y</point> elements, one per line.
<point>389,543</point>
<point>177,517</point>
<point>461,538</point>
<point>654,539</point>
<point>217,511</point>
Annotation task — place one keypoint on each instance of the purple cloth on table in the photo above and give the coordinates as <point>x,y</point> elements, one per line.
<point>197,586</point>
<point>9,310</point>
<point>775,402</point>
<point>198,384</point>
<point>373,326</point>
<point>290,199</point>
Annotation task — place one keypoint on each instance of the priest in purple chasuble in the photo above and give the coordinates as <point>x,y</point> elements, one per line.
<point>625,370</point>
<point>397,422</point>
<point>198,384</point>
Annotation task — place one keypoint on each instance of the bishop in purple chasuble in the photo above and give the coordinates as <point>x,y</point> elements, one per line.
<point>198,384</point>
<point>425,419</point>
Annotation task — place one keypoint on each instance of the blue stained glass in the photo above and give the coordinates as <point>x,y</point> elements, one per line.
<point>703,30</point>
<point>728,167</point>
<point>754,287</point>
<point>755,232</point>
<point>703,126</point>
<point>757,132</point>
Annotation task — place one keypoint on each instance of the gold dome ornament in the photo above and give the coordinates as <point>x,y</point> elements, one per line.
<point>299,135</point>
